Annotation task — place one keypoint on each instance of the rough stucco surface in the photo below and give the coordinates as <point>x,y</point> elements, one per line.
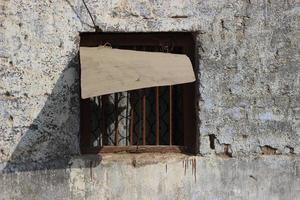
<point>164,177</point>
<point>249,83</point>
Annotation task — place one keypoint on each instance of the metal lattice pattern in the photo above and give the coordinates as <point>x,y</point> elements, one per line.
<point>140,117</point>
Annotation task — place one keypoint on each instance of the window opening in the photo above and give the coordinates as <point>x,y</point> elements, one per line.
<point>150,119</point>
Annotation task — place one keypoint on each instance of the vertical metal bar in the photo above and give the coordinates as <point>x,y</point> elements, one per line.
<point>170,114</point>
<point>157,114</point>
<point>104,120</point>
<point>143,109</point>
<point>140,102</point>
<point>116,120</point>
<point>131,118</point>
<point>144,116</point>
<point>126,119</point>
<point>99,106</point>
<point>133,104</point>
<point>85,140</point>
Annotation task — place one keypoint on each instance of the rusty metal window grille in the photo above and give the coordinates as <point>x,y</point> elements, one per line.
<point>158,119</point>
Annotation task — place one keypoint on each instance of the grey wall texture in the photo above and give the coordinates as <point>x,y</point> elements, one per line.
<point>249,85</point>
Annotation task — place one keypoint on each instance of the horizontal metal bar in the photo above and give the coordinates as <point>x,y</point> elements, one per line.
<point>133,149</point>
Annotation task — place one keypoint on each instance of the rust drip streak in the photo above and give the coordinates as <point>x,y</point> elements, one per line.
<point>192,166</point>
<point>184,168</point>
<point>195,169</point>
<point>91,170</point>
<point>193,163</point>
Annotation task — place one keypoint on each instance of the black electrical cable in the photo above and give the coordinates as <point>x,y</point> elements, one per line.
<point>97,29</point>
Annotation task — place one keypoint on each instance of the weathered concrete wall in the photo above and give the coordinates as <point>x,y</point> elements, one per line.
<point>160,177</point>
<point>249,84</point>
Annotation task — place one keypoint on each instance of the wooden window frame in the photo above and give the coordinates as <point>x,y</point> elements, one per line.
<point>182,39</point>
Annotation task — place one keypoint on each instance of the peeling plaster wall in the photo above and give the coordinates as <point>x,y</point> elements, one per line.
<point>249,78</point>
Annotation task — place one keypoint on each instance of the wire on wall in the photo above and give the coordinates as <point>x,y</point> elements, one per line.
<point>97,29</point>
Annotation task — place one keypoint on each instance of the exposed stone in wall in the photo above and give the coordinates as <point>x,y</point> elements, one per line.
<point>248,61</point>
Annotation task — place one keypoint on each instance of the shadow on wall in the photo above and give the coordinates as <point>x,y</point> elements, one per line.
<point>53,137</point>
